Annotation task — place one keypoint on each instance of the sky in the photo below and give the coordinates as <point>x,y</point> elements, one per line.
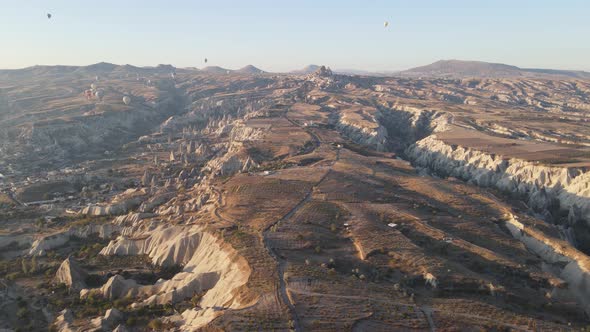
<point>282,35</point>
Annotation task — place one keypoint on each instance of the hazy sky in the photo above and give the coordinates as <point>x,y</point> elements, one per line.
<point>282,35</point>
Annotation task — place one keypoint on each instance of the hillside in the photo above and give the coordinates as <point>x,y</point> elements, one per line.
<point>215,70</point>
<point>249,69</point>
<point>480,69</point>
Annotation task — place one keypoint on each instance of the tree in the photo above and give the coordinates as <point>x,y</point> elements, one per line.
<point>33,268</point>
<point>25,268</point>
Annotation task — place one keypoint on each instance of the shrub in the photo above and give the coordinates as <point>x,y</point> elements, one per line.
<point>155,324</point>
<point>22,313</point>
<point>131,321</point>
<point>121,303</point>
<point>13,276</point>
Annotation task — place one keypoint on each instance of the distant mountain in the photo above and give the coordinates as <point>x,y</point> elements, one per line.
<point>101,67</point>
<point>360,72</point>
<point>463,69</point>
<point>306,70</point>
<point>215,70</point>
<point>37,71</point>
<point>97,69</point>
<point>249,69</point>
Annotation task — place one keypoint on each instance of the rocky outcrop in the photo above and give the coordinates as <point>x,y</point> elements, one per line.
<point>63,321</point>
<point>390,126</point>
<point>209,265</point>
<point>111,319</point>
<point>234,160</point>
<point>131,218</point>
<point>48,242</point>
<point>129,200</point>
<point>543,186</point>
<point>71,274</point>
<point>323,71</point>
<point>574,266</point>
<point>155,201</point>
<point>72,137</point>
<point>240,132</point>
<point>120,328</point>
<point>361,125</point>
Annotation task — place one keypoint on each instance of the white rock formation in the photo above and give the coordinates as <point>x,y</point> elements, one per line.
<point>111,318</point>
<point>235,160</point>
<point>208,265</point>
<point>373,127</point>
<point>121,204</point>
<point>577,265</point>
<point>131,218</point>
<point>48,242</point>
<point>361,126</point>
<point>63,321</point>
<point>71,274</point>
<point>539,183</point>
<point>120,328</point>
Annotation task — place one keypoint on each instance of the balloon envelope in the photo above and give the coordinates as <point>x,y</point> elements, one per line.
<point>386,24</point>
<point>48,15</point>
<point>93,86</point>
<point>126,100</point>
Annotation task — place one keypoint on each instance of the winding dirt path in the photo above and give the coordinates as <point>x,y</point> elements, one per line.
<point>283,292</point>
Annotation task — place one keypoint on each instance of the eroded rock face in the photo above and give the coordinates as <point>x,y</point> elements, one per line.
<point>235,160</point>
<point>66,139</point>
<point>63,321</point>
<point>541,184</point>
<point>123,203</point>
<point>71,274</point>
<point>111,319</point>
<point>323,71</point>
<point>577,265</point>
<point>390,126</point>
<point>361,126</point>
<point>48,242</point>
<point>208,265</point>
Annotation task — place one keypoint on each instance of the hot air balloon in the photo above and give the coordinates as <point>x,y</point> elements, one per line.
<point>93,86</point>
<point>385,24</point>
<point>99,94</point>
<point>173,74</point>
<point>126,100</point>
<point>96,78</point>
<point>205,60</point>
<point>48,15</point>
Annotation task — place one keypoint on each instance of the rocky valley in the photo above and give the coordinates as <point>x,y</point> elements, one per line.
<point>162,198</point>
